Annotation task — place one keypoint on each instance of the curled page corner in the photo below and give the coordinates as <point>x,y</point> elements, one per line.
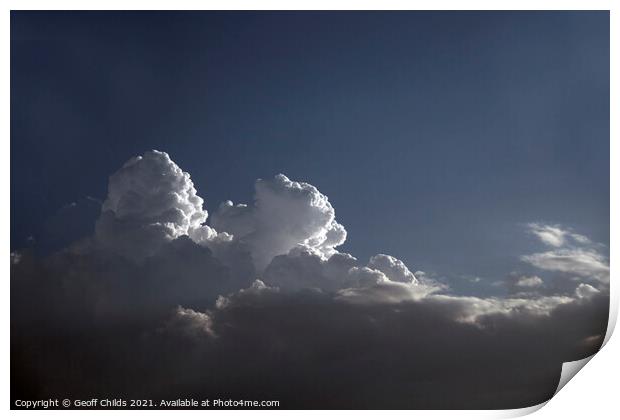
<point>613,316</point>
<point>570,369</point>
<point>519,412</point>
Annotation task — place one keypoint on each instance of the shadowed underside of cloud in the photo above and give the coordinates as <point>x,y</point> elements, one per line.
<point>260,304</point>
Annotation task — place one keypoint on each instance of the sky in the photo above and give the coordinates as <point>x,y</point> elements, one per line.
<point>426,192</point>
<point>434,134</point>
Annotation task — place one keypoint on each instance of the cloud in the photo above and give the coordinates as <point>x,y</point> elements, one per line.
<point>191,323</point>
<point>308,346</point>
<point>74,220</point>
<point>150,202</point>
<point>15,257</point>
<point>393,268</point>
<point>556,235</point>
<point>304,267</point>
<point>257,302</point>
<point>579,263</point>
<point>529,281</point>
<point>285,214</point>
<point>572,254</point>
<point>585,291</point>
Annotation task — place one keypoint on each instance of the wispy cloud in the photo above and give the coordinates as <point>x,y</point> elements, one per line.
<point>529,281</point>
<point>572,254</point>
<point>556,235</point>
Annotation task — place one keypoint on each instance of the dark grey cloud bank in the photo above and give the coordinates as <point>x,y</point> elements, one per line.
<point>256,302</point>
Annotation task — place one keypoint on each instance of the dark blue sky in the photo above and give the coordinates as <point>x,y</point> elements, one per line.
<point>435,135</point>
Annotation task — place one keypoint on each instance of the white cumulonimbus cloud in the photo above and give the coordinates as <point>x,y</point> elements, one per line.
<point>150,202</point>
<point>393,268</point>
<point>285,214</point>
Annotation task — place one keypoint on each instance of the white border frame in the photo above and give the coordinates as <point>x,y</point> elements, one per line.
<point>592,395</point>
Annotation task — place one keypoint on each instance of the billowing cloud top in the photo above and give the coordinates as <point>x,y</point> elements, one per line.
<point>257,301</point>
<point>285,214</point>
<point>150,202</point>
